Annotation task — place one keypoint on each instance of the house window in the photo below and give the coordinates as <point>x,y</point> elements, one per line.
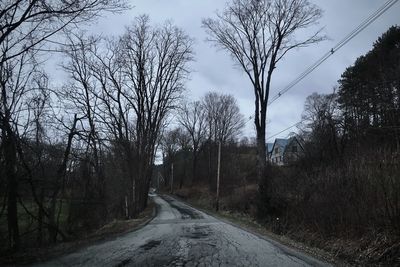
<point>294,149</point>
<point>276,150</point>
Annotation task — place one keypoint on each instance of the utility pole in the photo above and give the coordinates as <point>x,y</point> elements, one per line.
<point>218,174</point>
<point>172,178</point>
<point>126,207</point>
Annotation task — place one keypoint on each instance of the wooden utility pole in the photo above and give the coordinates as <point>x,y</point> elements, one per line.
<point>126,207</point>
<point>218,175</point>
<point>172,178</point>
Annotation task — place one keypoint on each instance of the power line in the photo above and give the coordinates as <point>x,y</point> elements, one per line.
<point>272,136</point>
<point>339,45</point>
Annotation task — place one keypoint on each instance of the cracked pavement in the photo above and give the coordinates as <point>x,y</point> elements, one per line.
<point>182,236</point>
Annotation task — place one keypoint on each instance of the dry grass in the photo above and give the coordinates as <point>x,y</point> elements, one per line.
<point>110,230</point>
<point>373,249</point>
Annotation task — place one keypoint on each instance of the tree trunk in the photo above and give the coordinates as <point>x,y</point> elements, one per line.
<point>194,166</point>
<point>209,165</point>
<point>261,154</point>
<point>140,189</point>
<point>40,219</point>
<point>10,158</point>
<point>12,210</point>
<point>184,173</point>
<point>52,225</point>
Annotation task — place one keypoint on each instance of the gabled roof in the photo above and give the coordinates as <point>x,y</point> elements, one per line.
<point>269,147</point>
<point>293,139</point>
<point>282,142</point>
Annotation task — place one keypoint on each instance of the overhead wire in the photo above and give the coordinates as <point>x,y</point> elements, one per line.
<point>288,128</point>
<point>328,54</point>
<point>338,46</point>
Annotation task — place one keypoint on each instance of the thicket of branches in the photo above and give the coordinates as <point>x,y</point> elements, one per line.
<point>347,183</point>
<point>72,158</point>
<point>75,157</point>
<point>192,146</point>
<point>258,34</point>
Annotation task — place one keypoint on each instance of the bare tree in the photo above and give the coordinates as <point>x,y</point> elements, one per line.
<point>184,141</point>
<point>322,126</point>
<point>155,65</point>
<point>258,34</point>
<point>170,147</point>
<point>29,25</point>
<point>117,112</point>
<point>224,120</point>
<point>26,28</point>
<point>136,86</point>
<point>82,93</point>
<point>193,118</point>
<point>175,146</point>
<point>15,76</point>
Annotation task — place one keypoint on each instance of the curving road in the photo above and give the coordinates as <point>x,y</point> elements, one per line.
<point>182,236</point>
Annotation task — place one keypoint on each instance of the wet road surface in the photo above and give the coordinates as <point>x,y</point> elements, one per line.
<point>182,236</point>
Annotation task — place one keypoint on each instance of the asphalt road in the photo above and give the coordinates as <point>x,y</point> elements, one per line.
<point>182,236</point>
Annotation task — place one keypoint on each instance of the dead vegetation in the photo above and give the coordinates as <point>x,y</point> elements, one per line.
<point>108,231</point>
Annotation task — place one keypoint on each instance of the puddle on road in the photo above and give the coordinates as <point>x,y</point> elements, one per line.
<point>151,244</point>
<point>197,235</point>
<point>123,263</point>
<point>197,232</point>
<point>186,212</point>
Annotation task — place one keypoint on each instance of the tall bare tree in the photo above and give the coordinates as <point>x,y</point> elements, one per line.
<point>15,77</point>
<point>223,117</point>
<point>28,27</point>
<point>155,64</point>
<point>193,118</point>
<point>258,34</point>
<point>136,86</point>
<point>224,122</point>
<point>170,146</point>
<point>322,126</point>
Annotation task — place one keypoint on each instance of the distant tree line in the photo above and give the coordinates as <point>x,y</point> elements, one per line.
<point>192,145</point>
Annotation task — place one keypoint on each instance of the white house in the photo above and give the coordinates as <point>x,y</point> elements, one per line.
<point>284,151</point>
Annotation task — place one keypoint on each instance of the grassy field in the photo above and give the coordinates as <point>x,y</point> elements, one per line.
<point>27,222</point>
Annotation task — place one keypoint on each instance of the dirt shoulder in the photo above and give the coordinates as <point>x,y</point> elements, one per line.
<point>109,231</point>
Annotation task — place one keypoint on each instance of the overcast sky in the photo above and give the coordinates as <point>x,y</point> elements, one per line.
<point>214,70</point>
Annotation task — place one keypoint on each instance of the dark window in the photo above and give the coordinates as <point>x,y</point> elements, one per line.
<point>294,149</point>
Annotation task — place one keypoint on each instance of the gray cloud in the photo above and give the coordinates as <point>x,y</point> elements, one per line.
<point>214,70</point>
